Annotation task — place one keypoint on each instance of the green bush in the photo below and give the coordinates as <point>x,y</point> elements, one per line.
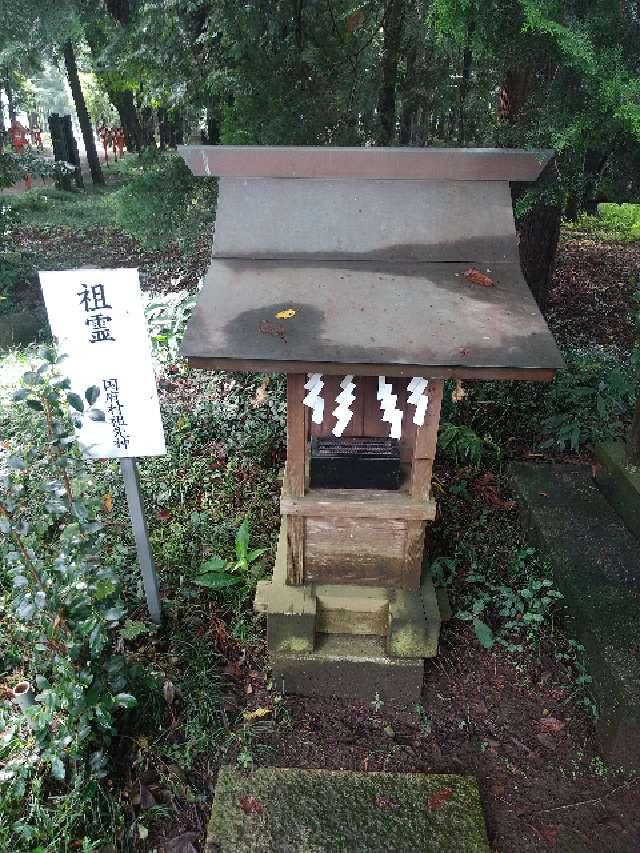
<point>165,203</point>
<point>586,403</point>
<point>613,222</point>
<point>61,612</point>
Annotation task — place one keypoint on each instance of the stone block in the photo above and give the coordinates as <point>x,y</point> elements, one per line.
<point>352,667</point>
<point>414,623</point>
<point>279,810</point>
<point>348,609</point>
<point>596,565</point>
<point>619,483</point>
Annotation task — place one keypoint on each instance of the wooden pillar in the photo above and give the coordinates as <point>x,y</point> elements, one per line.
<point>424,449</point>
<point>296,473</point>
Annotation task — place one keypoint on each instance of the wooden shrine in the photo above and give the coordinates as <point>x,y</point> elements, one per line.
<point>368,276</point>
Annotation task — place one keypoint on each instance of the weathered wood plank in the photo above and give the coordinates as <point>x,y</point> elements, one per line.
<point>295,551</point>
<point>296,434</point>
<point>414,548</point>
<point>368,551</point>
<point>424,450</point>
<point>357,503</point>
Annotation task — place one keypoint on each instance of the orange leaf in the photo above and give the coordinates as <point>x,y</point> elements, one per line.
<point>107,502</point>
<point>439,798</point>
<point>250,804</point>
<point>551,725</point>
<point>476,277</point>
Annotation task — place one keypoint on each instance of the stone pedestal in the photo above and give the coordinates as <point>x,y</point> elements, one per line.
<point>346,640</point>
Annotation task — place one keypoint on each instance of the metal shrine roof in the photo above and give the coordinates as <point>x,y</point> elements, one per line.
<point>368,251</point>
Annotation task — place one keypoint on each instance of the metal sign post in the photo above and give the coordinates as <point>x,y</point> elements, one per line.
<point>129,469</point>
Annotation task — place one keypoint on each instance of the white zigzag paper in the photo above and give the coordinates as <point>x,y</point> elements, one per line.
<point>418,398</point>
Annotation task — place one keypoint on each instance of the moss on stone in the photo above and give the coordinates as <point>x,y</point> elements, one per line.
<point>321,811</point>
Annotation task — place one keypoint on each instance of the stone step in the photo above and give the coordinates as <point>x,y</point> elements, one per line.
<point>596,565</point>
<point>349,666</point>
<point>335,811</point>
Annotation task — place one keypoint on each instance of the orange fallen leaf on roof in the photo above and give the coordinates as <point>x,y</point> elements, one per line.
<point>476,277</point>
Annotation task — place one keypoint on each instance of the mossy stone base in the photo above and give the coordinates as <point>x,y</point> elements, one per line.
<point>596,564</point>
<point>619,483</point>
<point>351,667</point>
<point>275,810</point>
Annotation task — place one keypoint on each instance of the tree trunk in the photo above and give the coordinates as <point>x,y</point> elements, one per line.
<point>163,128</point>
<point>633,439</point>
<point>392,25</point>
<point>11,107</point>
<point>538,233</point>
<point>594,163</point>
<point>82,113</point>
<point>467,59</point>
<point>123,102</point>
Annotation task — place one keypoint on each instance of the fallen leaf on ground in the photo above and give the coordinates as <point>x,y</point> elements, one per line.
<point>550,834</point>
<point>476,277</point>
<point>458,392</point>
<point>550,725</point>
<point>258,714</point>
<point>250,804</point>
<point>439,798</point>
<point>260,396</point>
<point>485,487</point>
<point>169,692</point>
<point>107,502</point>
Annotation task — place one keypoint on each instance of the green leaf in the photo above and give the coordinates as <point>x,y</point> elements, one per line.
<point>20,394</point>
<point>483,633</point>
<point>96,415</point>
<point>214,580</point>
<point>253,555</point>
<point>91,394</point>
<point>34,404</point>
<point>242,540</point>
<point>134,628</point>
<point>215,564</point>
<point>125,700</point>
<point>57,767</point>
<point>75,401</point>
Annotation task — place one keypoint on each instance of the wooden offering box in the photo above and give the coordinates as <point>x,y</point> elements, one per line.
<point>368,276</point>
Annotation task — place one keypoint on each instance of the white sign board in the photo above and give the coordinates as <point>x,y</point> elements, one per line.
<point>97,318</point>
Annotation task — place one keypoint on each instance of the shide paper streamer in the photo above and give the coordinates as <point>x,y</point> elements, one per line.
<point>419,398</point>
<point>313,399</point>
<point>390,413</point>
<point>345,398</point>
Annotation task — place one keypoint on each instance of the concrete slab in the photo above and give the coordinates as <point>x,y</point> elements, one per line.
<point>596,562</point>
<point>275,810</point>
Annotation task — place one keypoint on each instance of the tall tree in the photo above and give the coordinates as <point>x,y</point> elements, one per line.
<point>82,113</point>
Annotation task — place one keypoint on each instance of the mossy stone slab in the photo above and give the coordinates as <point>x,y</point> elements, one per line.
<point>596,564</point>
<point>619,483</point>
<point>275,810</point>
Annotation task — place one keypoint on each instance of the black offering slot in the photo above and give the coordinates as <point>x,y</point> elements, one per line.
<point>355,463</point>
